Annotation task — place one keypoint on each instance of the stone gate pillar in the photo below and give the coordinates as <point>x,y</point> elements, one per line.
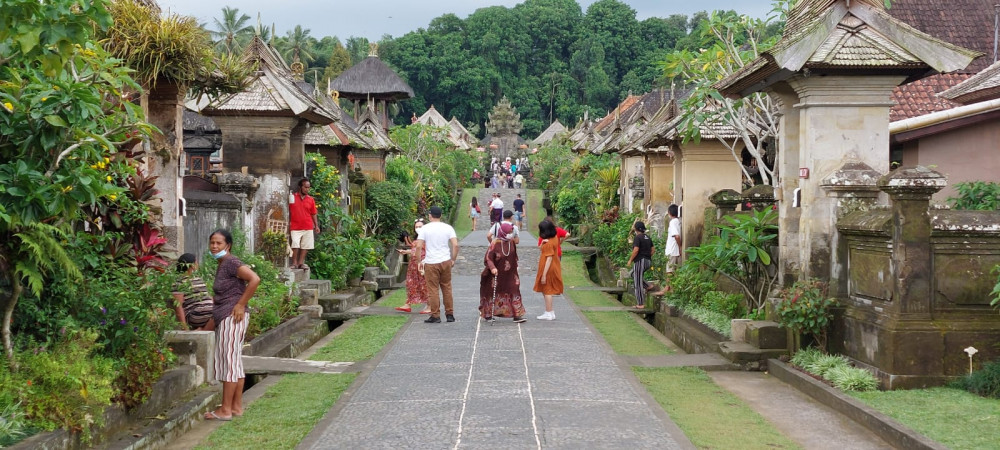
<point>910,190</point>
<point>854,188</point>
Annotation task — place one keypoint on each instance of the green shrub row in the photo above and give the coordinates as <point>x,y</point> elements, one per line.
<point>984,382</point>
<point>836,369</point>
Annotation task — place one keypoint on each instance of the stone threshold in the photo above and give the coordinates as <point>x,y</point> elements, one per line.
<point>885,427</point>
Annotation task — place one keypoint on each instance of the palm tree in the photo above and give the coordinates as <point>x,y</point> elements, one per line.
<point>232,31</point>
<point>297,43</point>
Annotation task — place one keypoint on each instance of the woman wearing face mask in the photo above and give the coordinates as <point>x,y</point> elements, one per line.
<point>235,283</point>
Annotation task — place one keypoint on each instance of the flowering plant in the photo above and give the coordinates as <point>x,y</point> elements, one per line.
<point>805,309</point>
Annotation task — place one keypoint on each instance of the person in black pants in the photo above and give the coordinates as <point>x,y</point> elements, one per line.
<point>642,256</point>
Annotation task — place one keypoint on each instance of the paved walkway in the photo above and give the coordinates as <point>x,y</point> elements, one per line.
<point>470,384</point>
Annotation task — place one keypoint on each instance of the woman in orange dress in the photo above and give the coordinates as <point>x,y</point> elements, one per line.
<point>549,279</point>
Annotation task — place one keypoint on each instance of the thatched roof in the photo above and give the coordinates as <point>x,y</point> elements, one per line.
<point>271,90</point>
<point>826,36</point>
<point>432,118</point>
<point>550,133</point>
<point>371,78</point>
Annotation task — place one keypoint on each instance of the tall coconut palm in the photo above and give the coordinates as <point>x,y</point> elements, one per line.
<point>232,32</point>
<point>297,43</point>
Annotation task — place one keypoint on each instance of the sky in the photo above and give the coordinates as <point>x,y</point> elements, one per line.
<point>374,18</point>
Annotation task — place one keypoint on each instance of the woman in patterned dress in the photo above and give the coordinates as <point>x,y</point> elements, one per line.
<point>192,302</point>
<point>500,286</point>
<point>416,284</point>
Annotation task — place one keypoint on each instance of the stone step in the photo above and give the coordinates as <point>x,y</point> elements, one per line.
<point>322,287</point>
<point>341,301</point>
<point>742,352</point>
<point>766,335</point>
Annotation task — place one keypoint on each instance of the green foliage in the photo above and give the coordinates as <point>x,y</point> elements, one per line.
<point>613,239</point>
<point>274,247</point>
<point>847,378</point>
<point>66,384</point>
<point>729,305</point>
<point>343,252</point>
<point>823,363</point>
<point>977,196</point>
<point>806,357</point>
<point>689,285</point>
<point>13,425</point>
<point>805,309</point>
<point>983,382</point>
<point>717,321</point>
<point>394,202</point>
<point>996,289</point>
<point>552,163</point>
<point>741,253</point>
<point>325,188</point>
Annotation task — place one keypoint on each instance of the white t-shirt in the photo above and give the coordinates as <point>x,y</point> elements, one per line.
<point>495,229</point>
<point>496,204</point>
<point>674,229</point>
<point>519,178</point>
<point>436,236</point>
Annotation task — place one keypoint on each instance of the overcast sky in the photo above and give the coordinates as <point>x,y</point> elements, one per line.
<point>374,18</point>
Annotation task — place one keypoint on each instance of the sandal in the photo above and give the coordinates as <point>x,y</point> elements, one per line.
<point>406,309</point>
<point>426,311</point>
<point>212,416</point>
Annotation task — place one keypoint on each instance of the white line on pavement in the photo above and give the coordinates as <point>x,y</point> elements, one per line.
<point>531,396</point>
<point>468,384</point>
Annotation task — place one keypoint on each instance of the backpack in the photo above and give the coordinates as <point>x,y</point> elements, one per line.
<point>477,208</point>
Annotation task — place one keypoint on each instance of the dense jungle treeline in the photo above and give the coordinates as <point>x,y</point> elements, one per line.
<point>551,58</point>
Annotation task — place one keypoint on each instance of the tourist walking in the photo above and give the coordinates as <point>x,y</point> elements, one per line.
<point>508,217</point>
<point>641,260</point>
<point>192,302</point>
<point>235,283</point>
<point>673,251</point>
<point>303,223</point>
<point>519,211</point>
<point>416,283</point>
<point>474,212</point>
<point>548,281</point>
<point>495,182</point>
<point>499,284</point>
<point>438,244</point>
<point>518,181</point>
<point>496,209</point>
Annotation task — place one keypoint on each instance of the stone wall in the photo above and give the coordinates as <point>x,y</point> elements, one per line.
<point>918,282</point>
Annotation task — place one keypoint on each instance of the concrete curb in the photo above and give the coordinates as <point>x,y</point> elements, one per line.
<point>885,427</point>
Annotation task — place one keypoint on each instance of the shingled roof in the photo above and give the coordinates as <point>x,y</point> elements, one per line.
<point>980,87</point>
<point>271,90</point>
<point>965,23</point>
<point>826,36</point>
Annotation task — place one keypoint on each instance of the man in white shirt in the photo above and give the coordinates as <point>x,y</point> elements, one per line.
<point>441,243</point>
<point>495,229</point>
<point>673,251</point>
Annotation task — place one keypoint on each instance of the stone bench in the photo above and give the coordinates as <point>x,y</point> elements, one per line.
<point>196,348</point>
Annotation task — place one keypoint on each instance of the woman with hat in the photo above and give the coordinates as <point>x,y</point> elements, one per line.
<point>500,286</point>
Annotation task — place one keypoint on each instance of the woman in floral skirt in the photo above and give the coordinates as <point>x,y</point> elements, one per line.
<point>416,285</point>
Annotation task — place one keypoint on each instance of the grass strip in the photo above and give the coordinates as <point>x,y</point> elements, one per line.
<point>463,223</point>
<point>284,415</point>
<point>953,417</point>
<point>574,270</point>
<point>394,299</point>
<point>362,340</point>
<point>592,298</point>
<point>533,208</point>
<point>625,335</point>
<point>709,415</point>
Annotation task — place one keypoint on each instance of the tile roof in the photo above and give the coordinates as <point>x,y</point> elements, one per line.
<point>982,86</point>
<point>622,107</point>
<point>920,97</point>
<point>965,23</point>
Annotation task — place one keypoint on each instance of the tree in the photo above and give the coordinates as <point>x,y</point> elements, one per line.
<point>731,41</point>
<point>340,61</point>
<point>297,44</point>
<point>61,115</point>
<point>232,32</point>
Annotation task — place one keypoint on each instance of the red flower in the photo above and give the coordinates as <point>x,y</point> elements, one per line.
<point>29,382</point>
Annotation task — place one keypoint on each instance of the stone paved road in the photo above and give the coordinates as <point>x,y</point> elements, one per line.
<point>469,384</point>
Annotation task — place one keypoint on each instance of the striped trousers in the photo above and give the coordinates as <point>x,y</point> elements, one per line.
<point>639,267</point>
<point>229,337</point>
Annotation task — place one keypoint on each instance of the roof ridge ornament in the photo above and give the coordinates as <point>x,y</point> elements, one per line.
<point>373,49</point>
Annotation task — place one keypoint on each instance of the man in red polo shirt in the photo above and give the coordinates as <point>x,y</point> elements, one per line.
<point>302,211</point>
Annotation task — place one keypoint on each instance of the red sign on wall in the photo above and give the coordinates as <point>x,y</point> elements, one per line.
<point>803,172</point>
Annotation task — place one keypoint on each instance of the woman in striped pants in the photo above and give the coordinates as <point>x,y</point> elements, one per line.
<point>642,255</point>
<point>235,283</point>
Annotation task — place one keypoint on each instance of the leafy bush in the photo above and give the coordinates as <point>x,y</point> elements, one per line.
<point>984,382</point>
<point>13,425</point>
<point>274,247</point>
<point>395,204</point>
<point>823,363</point>
<point>805,309</point>
<point>689,285</point>
<point>730,305</point>
<point>343,254</point>
<point>719,322</point>
<point>847,378</point>
<point>741,253</point>
<point>613,239</point>
<point>976,195</point>
<point>806,357</point>
<point>66,385</point>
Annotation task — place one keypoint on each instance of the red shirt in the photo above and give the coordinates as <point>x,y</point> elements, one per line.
<point>301,212</point>
<point>561,234</point>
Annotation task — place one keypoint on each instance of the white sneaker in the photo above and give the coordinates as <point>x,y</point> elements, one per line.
<point>547,315</point>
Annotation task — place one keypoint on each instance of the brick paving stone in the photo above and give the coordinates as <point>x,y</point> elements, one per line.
<point>473,385</point>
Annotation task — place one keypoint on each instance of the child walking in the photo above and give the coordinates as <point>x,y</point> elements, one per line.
<point>549,279</point>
